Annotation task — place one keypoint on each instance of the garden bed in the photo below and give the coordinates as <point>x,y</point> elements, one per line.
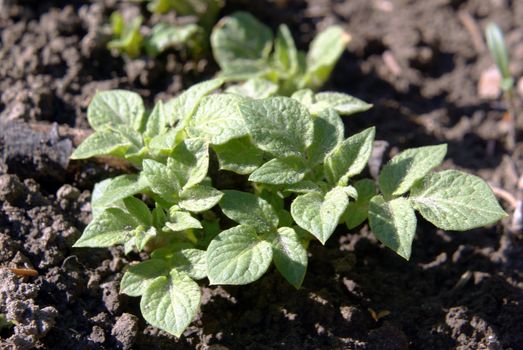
<point>418,62</point>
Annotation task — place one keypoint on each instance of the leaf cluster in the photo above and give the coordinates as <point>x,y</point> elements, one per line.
<point>129,39</point>
<point>246,51</point>
<point>304,179</point>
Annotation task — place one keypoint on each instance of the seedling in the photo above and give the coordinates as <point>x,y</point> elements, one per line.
<point>129,40</point>
<point>304,179</point>
<point>499,53</point>
<point>245,50</point>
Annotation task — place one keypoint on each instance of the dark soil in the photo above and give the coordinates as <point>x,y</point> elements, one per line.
<point>419,65</point>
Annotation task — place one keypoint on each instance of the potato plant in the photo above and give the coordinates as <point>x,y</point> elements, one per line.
<point>246,50</point>
<point>299,179</point>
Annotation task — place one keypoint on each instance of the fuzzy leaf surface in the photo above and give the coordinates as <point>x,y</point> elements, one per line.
<point>393,223</point>
<point>248,209</point>
<point>402,171</point>
<point>239,156</point>
<point>350,157</point>
<point>199,198</point>
<point>102,142</point>
<point>237,256</point>
<point>328,133</point>
<point>290,256</point>
<point>320,214</point>
<point>280,171</point>
<point>181,220</point>
<point>342,103</point>
<point>453,200</point>
<point>138,277</point>
<point>357,211</point>
<point>112,226</point>
<point>116,107</point>
<point>171,302</point>
<point>278,125</point>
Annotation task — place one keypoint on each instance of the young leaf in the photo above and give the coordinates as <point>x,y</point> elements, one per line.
<point>112,226</point>
<point>393,223</point>
<point>254,88</point>
<point>324,52</point>
<point>138,277</point>
<point>165,143</point>
<point>285,52</point>
<point>248,209</point>
<point>400,173</point>
<point>239,155</point>
<point>189,162</point>
<point>280,171</point>
<point>190,261</point>
<point>138,210</point>
<point>305,97</point>
<point>170,303</point>
<point>328,133</point>
<point>183,106</point>
<point>180,221</point>
<point>126,36</point>
<point>357,211</point>
<point>199,198</point>
<point>278,125</point>
<point>350,157</point>
<point>218,119</point>
<point>157,121</point>
<point>120,187</point>
<point>342,103</point>
<point>237,256</point>
<point>453,200</point>
<point>102,142</point>
<point>289,255</point>
<point>240,36</point>
<point>161,179</point>
<point>164,36</point>
<point>320,214</point>
<point>116,107</point>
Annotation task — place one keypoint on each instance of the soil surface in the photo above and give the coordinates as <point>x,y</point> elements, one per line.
<point>418,62</point>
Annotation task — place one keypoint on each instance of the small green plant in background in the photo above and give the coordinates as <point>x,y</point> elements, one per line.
<point>301,178</point>
<point>498,51</point>
<point>246,50</point>
<point>128,39</point>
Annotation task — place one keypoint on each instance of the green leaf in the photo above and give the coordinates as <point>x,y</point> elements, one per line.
<point>305,97</point>
<point>166,142</point>
<point>289,255</point>
<point>254,88</point>
<point>138,210</point>
<point>328,133</point>
<point>357,211</point>
<point>218,119</point>
<point>199,198</point>
<point>278,125</point>
<point>191,261</point>
<point>239,155</point>
<point>280,171</point>
<point>113,226</point>
<point>393,223</point>
<point>157,121</point>
<point>98,191</point>
<point>285,52</point>
<point>304,186</point>
<point>120,187</point>
<point>171,303</point>
<point>453,200</point>
<point>164,36</point>
<point>499,52</point>
<point>248,209</point>
<point>402,171</point>
<point>342,103</point>
<point>180,221</point>
<point>324,52</point>
<point>320,214</point>
<point>190,162</point>
<point>116,107</point>
<point>350,157</point>
<point>126,36</point>
<point>237,256</point>
<point>103,142</point>
<point>183,106</point>
<point>138,277</point>
<point>161,179</point>
<point>240,36</point>
<point>241,70</point>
